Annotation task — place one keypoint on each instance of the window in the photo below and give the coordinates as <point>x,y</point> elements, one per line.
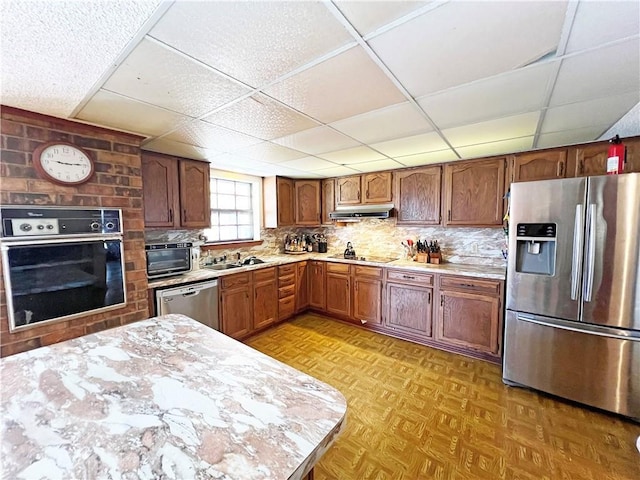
<point>233,209</point>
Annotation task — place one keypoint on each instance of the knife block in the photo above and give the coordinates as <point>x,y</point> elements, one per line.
<point>435,258</point>
<point>422,257</point>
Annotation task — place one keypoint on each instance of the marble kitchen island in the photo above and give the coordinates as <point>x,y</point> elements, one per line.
<point>166,397</point>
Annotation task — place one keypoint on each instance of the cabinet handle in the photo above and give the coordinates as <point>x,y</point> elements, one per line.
<point>441,300</point>
<point>367,193</point>
<point>171,215</point>
<point>358,195</point>
<point>408,277</point>
<point>184,215</point>
<point>561,168</point>
<point>470,285</point>
<point>449,216</point>
<point>429,298</point>
<point>581,169</point>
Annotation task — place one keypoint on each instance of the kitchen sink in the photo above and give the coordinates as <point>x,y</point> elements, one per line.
<point>222,266</point>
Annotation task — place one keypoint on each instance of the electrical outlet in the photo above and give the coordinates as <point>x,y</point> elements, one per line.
<point>474,247</point>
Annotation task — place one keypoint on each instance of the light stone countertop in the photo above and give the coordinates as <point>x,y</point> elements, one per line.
<point>165,397</point>
<point>477,271</point>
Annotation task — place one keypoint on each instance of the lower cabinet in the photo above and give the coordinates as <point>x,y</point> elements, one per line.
<point>469,314</point>
<point>367,295</point>
<point>317,288</point>
<point>302,286</point>
<point>338,290</point>
<point>286,291</point>
<point>409,303</point>
<point>235,305</point>
<point>265,298</point>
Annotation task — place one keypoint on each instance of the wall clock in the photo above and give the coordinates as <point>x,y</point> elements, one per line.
<point>63,163</point>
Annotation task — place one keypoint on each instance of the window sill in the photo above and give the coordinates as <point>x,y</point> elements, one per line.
<point>227,245</point>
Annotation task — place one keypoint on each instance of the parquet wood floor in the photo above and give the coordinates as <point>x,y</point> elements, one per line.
<point>417,413</point>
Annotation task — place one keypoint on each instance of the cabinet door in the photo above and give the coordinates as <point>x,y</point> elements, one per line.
<point>473,192</point>
<point>348,190</point>
<point>543,165</point>
<point>160,191</point>
<point>409,309</point>
<point>194,194</point>
<point>589,160</point>
<point>377,187</point>
<point>367,300</point>
<point>265,303</point>
<point>328,199</point>
<point>469,320</point>
<point>317,297</point>
<point>285,193</point>
<point>236,311</point>
<point>338,294</point>
<point>307,202</point>
<point>418,196</point>
<point>302,286</point>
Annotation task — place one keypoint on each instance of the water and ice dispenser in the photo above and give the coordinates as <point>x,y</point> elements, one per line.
<point>536,248</point>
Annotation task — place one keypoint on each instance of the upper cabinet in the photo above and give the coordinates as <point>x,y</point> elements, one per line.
<point>473,192</point>
<point>307,202</point>
<point>586,160</point>
<point>418,196</point>
<point>364,189</point>
<point>543,165</point>
<point>176,192</point>
<point>291,202</point>
<point>328,200</point>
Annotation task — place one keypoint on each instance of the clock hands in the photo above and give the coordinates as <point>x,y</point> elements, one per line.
<point>69,163</point>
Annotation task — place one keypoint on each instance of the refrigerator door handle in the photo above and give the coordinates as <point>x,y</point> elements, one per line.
<point>633,335</point>
<point>578,229</point>
<point>591,253</point>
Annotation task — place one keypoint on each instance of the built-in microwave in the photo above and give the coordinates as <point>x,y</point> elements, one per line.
<point>166,259</point>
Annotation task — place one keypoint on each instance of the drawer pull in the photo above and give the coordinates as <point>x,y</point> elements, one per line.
<point>470,285</point>
<point>408,277</point>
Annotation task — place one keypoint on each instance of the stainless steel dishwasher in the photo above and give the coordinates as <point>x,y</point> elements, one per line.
<point>198,301</point>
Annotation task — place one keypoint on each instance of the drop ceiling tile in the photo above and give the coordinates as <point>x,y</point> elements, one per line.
<point>401,120</point>
<point>508,94</point>
<point>309,164</point>
<point>599,73</point>
<point>376,166</point>
<point>426,142</point>
<point>493,130</point>
<point>447,155</point>
<point>601,111</point>
<point>570,137</point>
<point>337,171</point>
<point>261,117</point>
<point>206,135</point>
<point>627,126</point>
<point>472,40</point>
<point>233,159</point>
<point>369,16</point>
<point>255,42</point>
<point>352,155</point>
<point>156,75</point>
<point>501,147</point>
<point>170,147</point>
<point>597,23</point>
<point>316,140</point>
<point>340,87</point>
<point>270,153</point>
<point>115,111</point>
<point>53,53</point>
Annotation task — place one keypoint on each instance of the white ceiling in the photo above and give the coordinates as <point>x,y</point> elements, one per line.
<point>321,89</point>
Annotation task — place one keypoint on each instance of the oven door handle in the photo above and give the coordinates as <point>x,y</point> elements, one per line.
<point>6,244</point>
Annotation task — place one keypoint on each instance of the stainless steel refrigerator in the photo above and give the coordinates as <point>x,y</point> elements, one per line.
<point>573,290</point>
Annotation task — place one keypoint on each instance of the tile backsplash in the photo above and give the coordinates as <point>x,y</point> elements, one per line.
<point>369,237</point>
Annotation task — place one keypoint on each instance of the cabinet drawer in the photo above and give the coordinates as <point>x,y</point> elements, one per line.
<point>449,282</point>
<point>284,280</point>
<point>264,274</point>
<point>236,280</point>
<point>410,277</point>
<point>338,268</point>
<point>286,307</point>
<point>286,269</point>
<point>287,291</point>
<point>375,272</point>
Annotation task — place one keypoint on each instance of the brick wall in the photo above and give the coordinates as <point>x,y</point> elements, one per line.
<point>117,182</point>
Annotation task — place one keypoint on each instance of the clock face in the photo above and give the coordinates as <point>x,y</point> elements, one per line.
<point>63,163</point>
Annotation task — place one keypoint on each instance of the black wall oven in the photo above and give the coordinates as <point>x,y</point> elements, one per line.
<point>61,263</point>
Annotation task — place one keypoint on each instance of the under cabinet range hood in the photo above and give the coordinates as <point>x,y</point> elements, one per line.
<point>358,212</point>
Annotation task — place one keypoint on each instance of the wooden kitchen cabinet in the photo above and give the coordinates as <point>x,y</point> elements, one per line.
<point>302,286</point>
<point>473,192</point>
<point>328,199</point>
<point>470,315</point>
<point>541,165</point>
<point>591,159</point>
<point>175,192</point>
<point>364,189</point>
<point>409,305</point>
<point>235,305</point>
<point>418,196</point>
<point>317,290</point>
<point>265,298</point>
<point>307,202</point>
<point>367,295</point>
<point>286,291</point>
<point>338,285</point>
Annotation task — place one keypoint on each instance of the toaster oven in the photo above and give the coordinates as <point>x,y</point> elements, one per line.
<point>166,259</point>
